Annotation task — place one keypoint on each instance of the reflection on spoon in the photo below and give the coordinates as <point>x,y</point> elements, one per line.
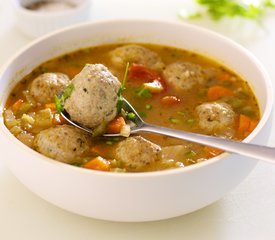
<point>246,149</point>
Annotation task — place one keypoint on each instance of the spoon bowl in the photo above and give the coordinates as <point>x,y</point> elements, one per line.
<point>247,149</point>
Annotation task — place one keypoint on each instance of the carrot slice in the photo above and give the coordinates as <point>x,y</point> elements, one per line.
<point>212,152</point>
<point>253,125</point>
<point>170,100</point>
<point>97,149</point>
<point>116,125</point>
<point>246,125</point>
<point>98,163</point>
<point>223,76</point>
<point>17,105</point>
<point>217,92</point>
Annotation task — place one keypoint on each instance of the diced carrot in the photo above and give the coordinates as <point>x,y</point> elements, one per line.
<point>154,87</point>
<point>212,152</point>
<point>51,106</point>
<point>246,125</point>
<point>98,163</point>
<point>217,92</point>
<point>253,125</point>
<point>223,76</point>
<point>58,119</point>
<point>17,105</point>
<point>98,150</point>
<point>116,125</point>
<point>170,100</point>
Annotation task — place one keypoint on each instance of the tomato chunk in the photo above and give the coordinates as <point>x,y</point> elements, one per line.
<point>141,73</point>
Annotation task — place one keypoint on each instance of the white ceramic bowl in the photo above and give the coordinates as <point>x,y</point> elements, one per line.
<point>35,23</point>
<point>133,196</point>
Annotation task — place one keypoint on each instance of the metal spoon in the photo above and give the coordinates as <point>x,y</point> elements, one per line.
<point>251,150</point>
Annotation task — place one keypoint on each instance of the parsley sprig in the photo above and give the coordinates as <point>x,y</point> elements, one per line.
<point>121,89</point>
<point>59,100</point>
<point>218,9</point>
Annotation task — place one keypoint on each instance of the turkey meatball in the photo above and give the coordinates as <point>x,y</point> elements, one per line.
<point>94,98</point>
<point>183,75</point>
<point>64,143</point>
<point>216,117</point>
<point>136,54</point>
<point>47,85</point>
<point>137,152</point>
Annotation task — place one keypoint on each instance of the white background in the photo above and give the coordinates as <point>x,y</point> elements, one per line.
<point>248,212</point>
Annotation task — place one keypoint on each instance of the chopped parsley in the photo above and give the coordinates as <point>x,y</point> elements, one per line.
<point>59,100</point>
<point>121,89</point>
<point>174,120</point>
<point>142,114</point>
<point>143,93</point>
<point>191,154</point>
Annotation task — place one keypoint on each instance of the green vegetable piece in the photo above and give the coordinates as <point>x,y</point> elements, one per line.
<point>174,120</point>
<point>131,116</point>
<point>191,154</point>
<point>59,100</point>
<point>181,113</point>
<point>142,114</point>
<point>190,121</point>
<point>143,93</point>
<point>109,142</point>
<point>100,129</point>
<point>25,107</point>
<point>148,106</point>
<point>121,89</point>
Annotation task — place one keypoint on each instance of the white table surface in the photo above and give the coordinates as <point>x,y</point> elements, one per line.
<point>248,212</point>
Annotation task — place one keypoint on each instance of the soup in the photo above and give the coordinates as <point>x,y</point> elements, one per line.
<point>167,86</point>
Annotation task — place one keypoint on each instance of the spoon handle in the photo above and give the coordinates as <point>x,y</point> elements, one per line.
<point>246,149</point>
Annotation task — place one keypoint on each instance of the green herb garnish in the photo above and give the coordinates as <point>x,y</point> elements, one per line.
<point>190,121</point>
<point>109,142</point>
<point>142,114</point>
<point>143,93</point>
<point>191,153</point>
<point>148,106</point>
<point>174,120</point>
<point>218,9</point>
<point>121,89</point>
<point>59,100</point>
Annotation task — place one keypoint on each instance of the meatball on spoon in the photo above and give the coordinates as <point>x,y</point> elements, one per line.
<point>246,149</point>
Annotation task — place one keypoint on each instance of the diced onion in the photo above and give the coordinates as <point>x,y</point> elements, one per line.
<point>15,130</point>
<point>10,119</point>
<point>43,118</point>
<point>27,119</point>
<point>125,131</point>
<point>29,98</point>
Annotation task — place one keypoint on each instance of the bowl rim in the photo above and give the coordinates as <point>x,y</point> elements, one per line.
<point>264,117</point>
